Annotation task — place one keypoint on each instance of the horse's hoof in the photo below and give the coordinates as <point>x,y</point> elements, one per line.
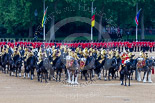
<point>69,82</point>
<point>76,83</point>
<point>122,83</point>
<point>54,79</point>
<point>144,81</point>
<point>72,83</point>
<point>129,85</point>
<point>49,79</point>
<point>150,81</point>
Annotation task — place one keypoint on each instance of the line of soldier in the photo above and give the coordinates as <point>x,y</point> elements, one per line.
<point>132,46</point>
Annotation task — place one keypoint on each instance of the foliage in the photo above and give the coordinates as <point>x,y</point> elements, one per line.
<point>16,15</point>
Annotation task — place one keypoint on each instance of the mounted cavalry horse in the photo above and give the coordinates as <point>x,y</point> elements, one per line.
<point>45,66</point>
<point>42,69</point>
<point>57,64</point>
<point>110,65</point>
<point>30,64</point>
<point>87,65</point>
<point>11,61</point>
<point>126,72</point>
<point>72,67</point>
<point>5,61</point>
<point>125,69</point>
<point>17,63</point>
<point>99,62</point>
<point>144,65</point>
<point>133,61</point>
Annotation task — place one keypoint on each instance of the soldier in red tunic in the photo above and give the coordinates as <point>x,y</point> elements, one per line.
<point>124,58</point>
<point>150,46</point>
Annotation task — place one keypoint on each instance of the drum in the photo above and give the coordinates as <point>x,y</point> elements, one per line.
<point>69,61</point>
<point>82,63</point>
<point>141,63</point>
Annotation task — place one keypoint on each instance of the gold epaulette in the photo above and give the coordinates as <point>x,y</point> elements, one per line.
<point>100,61</point>
<point>76,57</point>
<point>6,50</point>
<point>102,56</point>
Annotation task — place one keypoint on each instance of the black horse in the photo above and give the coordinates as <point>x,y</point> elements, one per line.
<point>11,64</point>
<point>45,68</point>
<point>125,73</point>
<point>42,69</point>
<point>118,64</point>
<point>57,66</point>
<point>5,62</point>
<point>133,66</point>
<point>17,64</point>
<point>88,68</point>
<point>63,59</point>
<point>30,65</point>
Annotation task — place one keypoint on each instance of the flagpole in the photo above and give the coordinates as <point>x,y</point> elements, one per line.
<point>136,25</point>
<point>136,33</point>
<point>91,24</point>
<point>43,25</point>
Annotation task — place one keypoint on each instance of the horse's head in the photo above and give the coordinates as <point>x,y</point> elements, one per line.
<point>6,58</point>
<point>18,62</point>
<point>10,51</point>
<point>150,63</point>
<point>22,52</point>
<point>46,61</point>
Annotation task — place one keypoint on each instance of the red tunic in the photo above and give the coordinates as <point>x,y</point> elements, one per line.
<point>126,58</point>
<point>150,44</point>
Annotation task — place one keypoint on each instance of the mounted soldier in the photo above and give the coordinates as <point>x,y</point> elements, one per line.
<point>5,58</point>
<point>72,66</point>
<point>30,62</point>
<point>144,64</point>
<point>17,60</point>
<point>125,59</point>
